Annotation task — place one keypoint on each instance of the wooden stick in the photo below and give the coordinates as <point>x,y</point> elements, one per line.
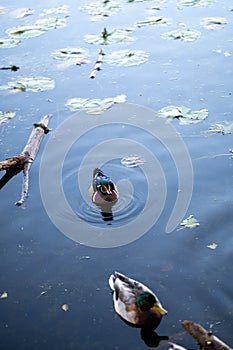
<point>206,339</point>
<point>98,64</point>
<point>24,160</point>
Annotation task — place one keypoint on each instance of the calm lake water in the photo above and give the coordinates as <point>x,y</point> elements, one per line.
<point>41,268</point>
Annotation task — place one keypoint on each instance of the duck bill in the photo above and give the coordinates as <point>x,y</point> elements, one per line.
<point>159,309</point>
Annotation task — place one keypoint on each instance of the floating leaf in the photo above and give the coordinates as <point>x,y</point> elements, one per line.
<point>4,117</point>
<point>156,20</point>
<point>190,222</point>
<point>2,10</point>
<point>56,10</point>
<point>6,43</point>
<point>132,161</point>
<point>101,9</point>
<point>184,114</point>
<point>70,53</point>
<point>127,57</point>
<point>212,246</point>
<point>65,307</point>
<point>26,31</point>
<point>4,295</point>
<point>184,35</point>
<point>22,12</point>
<point>30,83</point>
<point>213,23</point>
<point>94,106</point>
<point>114,37</point>
<point>196,2</point>
<point>224,128</point>
<point>51,23</point>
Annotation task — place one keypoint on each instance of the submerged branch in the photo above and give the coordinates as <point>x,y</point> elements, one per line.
<point>98,64</point>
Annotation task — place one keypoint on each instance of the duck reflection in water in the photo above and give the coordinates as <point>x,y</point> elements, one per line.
<point>103,193</point>
<point>138,306</point>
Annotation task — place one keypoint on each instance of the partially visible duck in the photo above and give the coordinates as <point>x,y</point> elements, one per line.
<point>135,302</point>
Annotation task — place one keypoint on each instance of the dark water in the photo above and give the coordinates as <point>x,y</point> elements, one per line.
<point>41,269</point>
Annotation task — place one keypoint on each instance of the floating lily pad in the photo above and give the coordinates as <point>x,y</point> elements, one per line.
<point>4,117</point>
<point>51,22</point>
<point>132,161</point>
<point>196,2</point>
<point>26,31</point>
<point>114,37</point>
<point>101,9</point>
<point>6,43</point>
<point>213,23</point>
<point>156,20</point>
<point>56,10</point>
<point>184,35</point>
<point>184,114</point>
<point>70,53</point>
<point>22,12</point>
<point>2,10</point>
<point>34,84</point>
<point>94,106</point>
<point>127,57</point>
<point>224,128</point>
<point>212,246</point>
<point>190,222</point>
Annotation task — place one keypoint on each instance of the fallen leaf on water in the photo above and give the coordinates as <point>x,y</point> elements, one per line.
<point>190,222</point>
<point>224,128</point>
<point>212,246</point>
<point>65,307</point>
<point>4,117</point>
<point>4,295</point>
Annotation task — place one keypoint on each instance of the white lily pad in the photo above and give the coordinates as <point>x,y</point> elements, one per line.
<point>22,12</point>
<point>132,161</point>
<point>114,37</point>
<point>152,21</point>
<point>34,84</point>
<point>68,53</point>
<point>221,128</point>
<point>183,114</point>
<point>184,35</point>
<point>6,43</point>
<point>25,31</point>
<point>190,222</point>
<point>2,10</point>
<point>196,3</point>
<point>213,23</point>
<point>64,9</point>
<point>6,116</point>
<point>127,57</point>
<point>51,22</point>
<point>93,106</point>
<point>101,9</point>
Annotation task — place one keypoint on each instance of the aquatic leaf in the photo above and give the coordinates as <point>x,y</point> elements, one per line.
<point>212,246</point>
<point>70,53</point>
<point>132,161</point>
<point>184,114</point>
<point>224,128</point>
<point>4,295</point>
<point>213,23</point>
<point>51,23</point>
<point>6,43</point>
<point>127,57</point>
<point>2,10</point>
<point>190,222</point>
<point>22,12</point>
<point>184,35</point>
<point>65,307</point>
<point>101,9</point>
<point>34,84</point>
<point>93,106</point>
<point>4,117</point>
<point>156,20</point>
<point>26,31</point>
<point>196,2</point>
<point>114,37</point>
<point>64,9</point>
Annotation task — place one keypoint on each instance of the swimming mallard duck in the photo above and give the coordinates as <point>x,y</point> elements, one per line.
<point>135,303</point>
<point>102,190</point>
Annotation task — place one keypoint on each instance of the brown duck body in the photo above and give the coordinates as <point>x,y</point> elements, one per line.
<point>126,293</point>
